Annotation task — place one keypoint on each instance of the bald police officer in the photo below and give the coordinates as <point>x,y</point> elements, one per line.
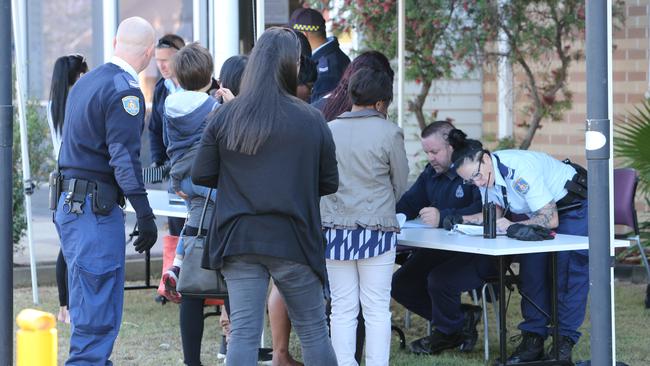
<point>100,164</point>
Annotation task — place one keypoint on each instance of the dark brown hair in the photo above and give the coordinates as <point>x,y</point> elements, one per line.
<point>192,66</point>
<point>339,101</point>
<point>170,41</point>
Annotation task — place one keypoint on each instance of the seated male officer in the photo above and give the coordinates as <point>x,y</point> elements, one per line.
<point>331,61</point>
<point>100,164</point>
<point>437,193</point>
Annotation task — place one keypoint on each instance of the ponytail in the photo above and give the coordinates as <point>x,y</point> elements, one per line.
<point>464,148</point>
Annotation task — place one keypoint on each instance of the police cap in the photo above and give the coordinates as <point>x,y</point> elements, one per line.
<point>307,20</point>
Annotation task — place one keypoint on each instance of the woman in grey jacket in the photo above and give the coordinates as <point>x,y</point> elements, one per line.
<point>359,219</point>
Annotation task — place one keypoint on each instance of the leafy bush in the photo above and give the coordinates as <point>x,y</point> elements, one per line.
<point>40,159</point>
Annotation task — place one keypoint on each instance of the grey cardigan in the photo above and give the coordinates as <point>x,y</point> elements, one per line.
<point>373,172</point>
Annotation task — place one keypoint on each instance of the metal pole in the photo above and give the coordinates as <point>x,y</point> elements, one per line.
<point>401,39</point>
<point>260,18</point>
<point>597,141</point>
<point>28,185</point>
<point>226,43</point>
<point>6,142</point>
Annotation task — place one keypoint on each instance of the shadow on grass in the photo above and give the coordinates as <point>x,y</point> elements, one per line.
<point>150,332</point>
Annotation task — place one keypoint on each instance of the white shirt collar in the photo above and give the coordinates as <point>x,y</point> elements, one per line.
<point>329,40</point>
<point>125,66</point>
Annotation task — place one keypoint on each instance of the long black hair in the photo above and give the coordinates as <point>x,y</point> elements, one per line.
<point>270,77</point>
<point>67,70</point>
<point>464,149</point>
<point>231,73</point>
<point>339,101</point>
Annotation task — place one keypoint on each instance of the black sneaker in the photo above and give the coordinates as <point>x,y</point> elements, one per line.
<point>565,347</point>
<point>472,315</point>
<point>531,348</point>
<point>436,343</point>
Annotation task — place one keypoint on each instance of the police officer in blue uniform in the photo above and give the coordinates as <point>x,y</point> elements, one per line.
<point>552,194</point>
<point>422,280</point>
<point>99,163</point>
<point>331,61</point>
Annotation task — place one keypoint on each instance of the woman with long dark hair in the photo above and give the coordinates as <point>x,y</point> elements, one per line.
<point>338,101</point>
<point>67,70</point>
<point>271,156</point>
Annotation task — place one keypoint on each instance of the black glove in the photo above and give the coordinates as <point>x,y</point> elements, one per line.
<point>529,232</point>
<point>147,234</point>
<point>451,220</point>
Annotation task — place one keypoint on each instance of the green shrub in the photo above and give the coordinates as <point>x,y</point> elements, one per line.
<point>40,159</point>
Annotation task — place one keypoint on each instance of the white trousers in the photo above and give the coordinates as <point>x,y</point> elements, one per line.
<point>365,281</point>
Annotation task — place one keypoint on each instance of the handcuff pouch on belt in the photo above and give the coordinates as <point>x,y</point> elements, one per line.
<point>576,188</point>
<point>103,196</point>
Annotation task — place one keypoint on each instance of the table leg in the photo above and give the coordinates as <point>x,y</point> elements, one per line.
<point>502,311</point>
<point>554,312</point>
<point>147,268</point>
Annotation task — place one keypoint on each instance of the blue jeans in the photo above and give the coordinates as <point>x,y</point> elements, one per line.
<point>193,191</point>
<point>93,247</point>
<point>248,280</point>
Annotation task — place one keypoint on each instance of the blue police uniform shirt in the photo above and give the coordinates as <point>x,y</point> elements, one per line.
<point>331,63</point>
<point>101,135</point>
<point>444,191</point>
<point>531,179</point>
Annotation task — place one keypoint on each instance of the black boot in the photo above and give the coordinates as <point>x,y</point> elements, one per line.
<point>531,348</point>
<point>565,347</point>
<point>647,297</point>
<point>436,343</point>
<point>472,315</point>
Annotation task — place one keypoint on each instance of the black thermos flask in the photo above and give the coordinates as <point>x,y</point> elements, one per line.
<point>490,220</point>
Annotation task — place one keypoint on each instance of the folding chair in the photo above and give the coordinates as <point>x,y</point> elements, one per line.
<point>625,183</point>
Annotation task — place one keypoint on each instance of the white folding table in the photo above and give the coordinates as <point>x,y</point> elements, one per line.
<point>501,247</point>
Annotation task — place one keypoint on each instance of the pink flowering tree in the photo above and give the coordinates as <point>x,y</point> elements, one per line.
<point>437,38</point>
<point>545,39</point>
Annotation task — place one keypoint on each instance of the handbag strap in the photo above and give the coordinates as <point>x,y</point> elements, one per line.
<point>205,209</point>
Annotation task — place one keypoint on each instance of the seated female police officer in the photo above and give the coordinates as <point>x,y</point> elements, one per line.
<point>546,190</point>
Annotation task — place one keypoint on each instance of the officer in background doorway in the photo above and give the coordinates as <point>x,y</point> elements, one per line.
<point>325,51</point>
<point>100,164</point>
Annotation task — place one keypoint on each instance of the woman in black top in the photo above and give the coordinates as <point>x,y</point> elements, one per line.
<point>271,156</point>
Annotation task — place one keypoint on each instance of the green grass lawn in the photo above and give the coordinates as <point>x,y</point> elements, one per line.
<point>150,333</point>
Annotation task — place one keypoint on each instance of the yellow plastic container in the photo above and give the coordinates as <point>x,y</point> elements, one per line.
<point>36,340</point>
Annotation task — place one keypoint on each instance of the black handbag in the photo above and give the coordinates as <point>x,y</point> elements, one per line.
<point>194,281</point>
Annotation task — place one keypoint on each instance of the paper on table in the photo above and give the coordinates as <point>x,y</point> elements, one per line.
<point>473,230</point>
<point>415,224</point>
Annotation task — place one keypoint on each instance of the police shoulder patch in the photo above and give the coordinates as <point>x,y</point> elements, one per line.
<point>521,186</point>
<point>131,104</point>
<point>459,192</point>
